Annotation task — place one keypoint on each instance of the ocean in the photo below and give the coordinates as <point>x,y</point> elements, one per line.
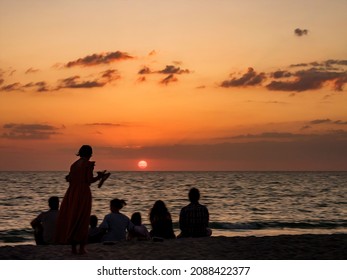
<point>239,203</point>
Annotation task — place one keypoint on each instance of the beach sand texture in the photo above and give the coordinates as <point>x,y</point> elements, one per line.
<point>283,247</point>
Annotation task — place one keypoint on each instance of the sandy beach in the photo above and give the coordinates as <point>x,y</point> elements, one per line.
<point>283,247</point>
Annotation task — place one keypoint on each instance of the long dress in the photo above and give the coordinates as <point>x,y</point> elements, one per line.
<point>75,209</point>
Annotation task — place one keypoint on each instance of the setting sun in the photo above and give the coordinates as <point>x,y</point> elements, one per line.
<point>142,164</point>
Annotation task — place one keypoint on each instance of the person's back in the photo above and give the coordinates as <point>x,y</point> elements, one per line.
<point>140,231</point>
<point>115,225</point>
<point>194,218</point>
<point>161,221</point>
<point>45,223</point>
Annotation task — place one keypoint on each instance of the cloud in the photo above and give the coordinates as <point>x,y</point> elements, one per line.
<point>31,70</point>
<point>11,87</point>
<point>310,79</point>
<point>75,82</point>
<point>169,79</point>
<point>268,135</point>
<point>327,121</point>
<point>171,69</point>
<point>105,124</point>
<point>110,75</point>
<point>38,86</point>
<point>281,74</point>
<point>105,77</point>
<point>168,70</point>
<point>300,32</point>
<point>99,59</point>
<point>313,76</point>
<point>141,79</point>
<point>251,78</point>
<point>144,71</point>
<point>29,131</point>
<point>320,121</point>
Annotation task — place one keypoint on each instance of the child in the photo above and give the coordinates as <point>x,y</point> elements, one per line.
<point>94,233</point>
<point>140,232</point>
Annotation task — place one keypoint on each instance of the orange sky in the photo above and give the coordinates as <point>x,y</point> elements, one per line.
<point>195,85</point>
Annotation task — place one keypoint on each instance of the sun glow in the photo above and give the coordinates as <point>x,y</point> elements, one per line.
<point>142,164</point>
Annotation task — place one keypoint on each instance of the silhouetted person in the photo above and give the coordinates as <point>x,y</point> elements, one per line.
<point>74,215</point>
<point>115,224</point>
<point>140,232</point>
<point>45,223</point>
<point>161,221</point>
<point>194,217</point>
<point>94,233</point>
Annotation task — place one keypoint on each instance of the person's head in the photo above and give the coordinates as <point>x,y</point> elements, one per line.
<point>117,204</point>
<point>53,203</point>
<point>93,221</point>
<point>159,205</point>
<point>136,218</point>
<point>194,195</point>
<point>85,151</point>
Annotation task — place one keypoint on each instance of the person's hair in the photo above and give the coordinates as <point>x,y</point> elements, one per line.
<point>136,218</point>
<point>93,221</point>
<point>53,203</point>
<point>194,195</point>
<point>85,151</point>
<point>117,203</point>
<point>159,210</point>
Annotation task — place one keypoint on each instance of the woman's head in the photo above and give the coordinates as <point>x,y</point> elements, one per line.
<point>117,204</point>
<point>85,151</point>
<point>136,219</point>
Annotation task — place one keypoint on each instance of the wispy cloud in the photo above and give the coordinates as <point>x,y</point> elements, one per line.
<point>76,82</point>
<point>145,70</point>
<point>99,59</point>
<point>105,124</point>
<point>327,121</point>
<point>104,77</point>
<point>11,87</point>
<point>169,79</point>
<point>31,70</point>
<point>17,131</point>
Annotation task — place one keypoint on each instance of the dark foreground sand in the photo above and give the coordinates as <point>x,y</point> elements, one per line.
<point>284,247</point>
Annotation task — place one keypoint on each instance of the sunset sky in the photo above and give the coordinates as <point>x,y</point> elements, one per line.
<point>184,85</point>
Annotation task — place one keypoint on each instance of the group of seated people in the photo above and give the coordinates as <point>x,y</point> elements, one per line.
<point>193,222</point>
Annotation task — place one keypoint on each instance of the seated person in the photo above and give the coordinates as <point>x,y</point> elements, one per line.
<point>140,232</point>
<point>161,221</point>
<point>45,223</point>
<point>94,233</point>
<point>115,225</point>
<point>194,217</point>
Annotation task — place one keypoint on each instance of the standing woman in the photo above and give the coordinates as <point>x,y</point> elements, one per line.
<point>75,210</point>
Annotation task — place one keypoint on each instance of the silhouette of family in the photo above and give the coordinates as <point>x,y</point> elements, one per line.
<point>73,223</point>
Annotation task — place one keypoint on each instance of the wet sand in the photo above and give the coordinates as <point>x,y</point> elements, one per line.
<point>283,247</point>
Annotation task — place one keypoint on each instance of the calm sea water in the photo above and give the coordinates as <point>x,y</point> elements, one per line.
<point>240,203</point>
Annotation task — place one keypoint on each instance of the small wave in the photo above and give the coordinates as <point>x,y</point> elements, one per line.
<point>16,236</point>
<point>278,225</point>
